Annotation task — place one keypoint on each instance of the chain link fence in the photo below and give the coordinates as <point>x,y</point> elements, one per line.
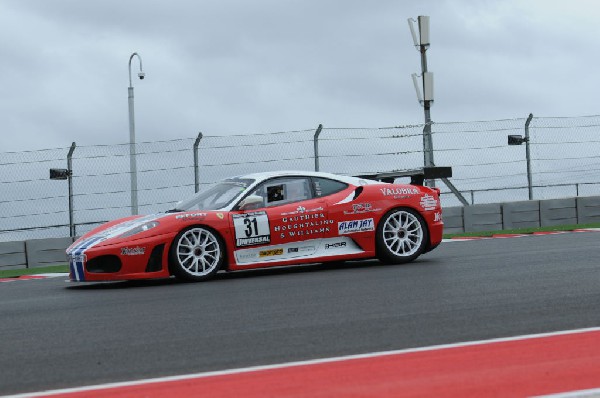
<point>564,157</point>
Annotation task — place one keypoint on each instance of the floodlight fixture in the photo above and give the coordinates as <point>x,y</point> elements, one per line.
<point>424,30</point>
<point>428,87</point>
<point>516,139</point>
<point>59,174</point>
<point>412,31</point>
<point>422,41</point>
<point>417,88</point>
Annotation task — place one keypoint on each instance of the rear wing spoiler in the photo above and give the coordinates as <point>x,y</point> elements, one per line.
<point>417,176</point>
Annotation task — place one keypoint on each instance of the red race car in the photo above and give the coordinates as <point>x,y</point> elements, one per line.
<point>265,220</point>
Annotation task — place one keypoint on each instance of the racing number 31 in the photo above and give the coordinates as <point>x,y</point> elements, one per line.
<point>251,228</point>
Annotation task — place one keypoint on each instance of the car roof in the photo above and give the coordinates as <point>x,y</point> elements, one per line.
<point>291,173</point>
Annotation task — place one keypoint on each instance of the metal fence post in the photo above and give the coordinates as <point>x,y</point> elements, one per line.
<point>316,142</point>
<point>196,171</point>
<point>528,156</point>
<point>72,232</point>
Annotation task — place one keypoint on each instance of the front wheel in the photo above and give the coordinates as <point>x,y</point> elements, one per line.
<point>401,236</point>
<point>196,254</point>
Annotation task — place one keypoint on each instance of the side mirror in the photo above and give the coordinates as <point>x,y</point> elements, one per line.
<point>251,202</point>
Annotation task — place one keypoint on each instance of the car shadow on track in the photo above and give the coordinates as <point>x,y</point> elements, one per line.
<point>253,273</point>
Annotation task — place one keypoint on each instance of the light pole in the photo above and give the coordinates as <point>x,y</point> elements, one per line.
<point>67,174</point>
<point>132,153</point>
<point>518,140</point>
<point>421,44</point>
<point>426,99</point>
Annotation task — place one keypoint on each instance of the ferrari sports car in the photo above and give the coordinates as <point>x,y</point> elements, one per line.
<point>266,220</point>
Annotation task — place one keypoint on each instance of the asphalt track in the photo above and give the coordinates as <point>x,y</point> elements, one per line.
<point>57,335</point>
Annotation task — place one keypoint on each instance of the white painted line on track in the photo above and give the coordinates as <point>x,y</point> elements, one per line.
<point>508,236</point>
<point>301,363</point>
<point>593,393</point>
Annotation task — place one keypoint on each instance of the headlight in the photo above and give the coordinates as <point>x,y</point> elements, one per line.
<point>141,228</point>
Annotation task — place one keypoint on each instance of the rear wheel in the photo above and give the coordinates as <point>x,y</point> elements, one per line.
<point>196,254</point>
<point>401,236</point>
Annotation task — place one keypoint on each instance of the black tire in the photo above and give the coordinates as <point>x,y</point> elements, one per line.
<point>401,237</point>
<point>196,254</point>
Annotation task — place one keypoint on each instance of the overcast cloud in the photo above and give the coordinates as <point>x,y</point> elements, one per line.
<point>242,67</point>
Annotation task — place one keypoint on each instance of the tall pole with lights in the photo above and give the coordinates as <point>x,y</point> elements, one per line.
<point>132,151</point>
<point>426,98</point>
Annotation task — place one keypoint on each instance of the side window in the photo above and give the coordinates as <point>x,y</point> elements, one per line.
<point>325,186</point>
<point>276,193</point>
<point>281,191</point>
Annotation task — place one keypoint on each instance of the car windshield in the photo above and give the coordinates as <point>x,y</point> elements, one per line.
<point>216,196</point>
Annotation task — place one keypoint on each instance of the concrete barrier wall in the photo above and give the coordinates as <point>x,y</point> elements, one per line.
<point>12,255</point>
<point>558,212</point>
<point>485,217</point>
<point>453,220</point>
<point>44,252</point>
<point>525,214</point>
<point>588,210</point>
<point>33,253</point>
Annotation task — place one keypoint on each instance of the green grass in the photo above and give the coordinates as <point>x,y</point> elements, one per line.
<point>13,273</point>
<point>524,230</point>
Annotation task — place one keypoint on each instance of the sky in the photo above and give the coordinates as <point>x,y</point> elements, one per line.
<point>225,67</point>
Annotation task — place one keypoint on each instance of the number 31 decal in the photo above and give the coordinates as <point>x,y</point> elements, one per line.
<point>251,229</point>
<point>251,226</point>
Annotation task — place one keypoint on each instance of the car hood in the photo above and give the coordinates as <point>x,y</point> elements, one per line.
<point>118,227</point>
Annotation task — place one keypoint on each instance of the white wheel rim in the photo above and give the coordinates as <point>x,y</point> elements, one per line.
<point>403,233</point>
<point>198,251</point>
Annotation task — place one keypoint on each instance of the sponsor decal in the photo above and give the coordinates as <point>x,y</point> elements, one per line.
<point>271,252</point>
<point>303,217</point>
<point>300,249</point>
<point>78,258</point>
<point>428,202</point>
<point>303,225</point>
<point>349,227</point>
<point>258,240</point>
<point>359,208</point>
<point>437,217</point>
<point>335,245</point>
<point>246,256</point>
<point>398,191</point>
<point>132,251</point>
<point>251,229</point>
<point>195,216</point>
<point>301,210</point>
<point>220,215</point>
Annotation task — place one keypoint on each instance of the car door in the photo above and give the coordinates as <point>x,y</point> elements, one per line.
<point>289,224</point>
<point>350,217</point>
